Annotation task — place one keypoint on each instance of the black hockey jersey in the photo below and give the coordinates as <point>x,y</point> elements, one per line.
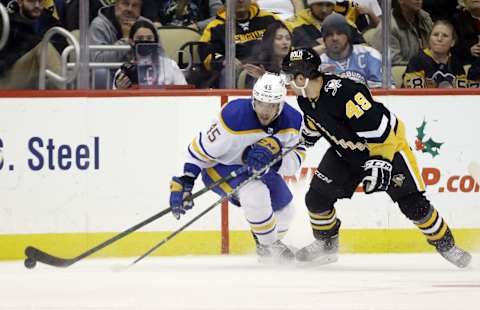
<point>424,72</point>
<point>357,126</point>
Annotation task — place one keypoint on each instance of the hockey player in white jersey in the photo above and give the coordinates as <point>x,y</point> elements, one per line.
<point>250,132</point>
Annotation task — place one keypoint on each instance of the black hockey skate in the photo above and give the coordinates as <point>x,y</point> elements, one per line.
<point>319,252</point>
<point>456,256</point>
<point>277,253</point>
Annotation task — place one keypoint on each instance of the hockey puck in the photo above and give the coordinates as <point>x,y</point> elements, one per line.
<point>30,263</point>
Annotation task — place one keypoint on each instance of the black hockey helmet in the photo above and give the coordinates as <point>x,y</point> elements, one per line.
<point>303,61</point>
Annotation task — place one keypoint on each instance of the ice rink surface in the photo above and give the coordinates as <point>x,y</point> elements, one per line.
<point>356,282</point>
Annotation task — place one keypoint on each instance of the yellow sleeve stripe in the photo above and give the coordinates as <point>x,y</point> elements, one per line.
<point>198,150</point>
<point>288,130</point>
<point>301,153</point>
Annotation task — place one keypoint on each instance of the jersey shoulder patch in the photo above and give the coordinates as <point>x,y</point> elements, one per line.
<point>333,85</point>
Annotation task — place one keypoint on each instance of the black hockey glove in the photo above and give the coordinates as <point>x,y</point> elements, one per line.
<point>378,174</point>
<point>180,188</point>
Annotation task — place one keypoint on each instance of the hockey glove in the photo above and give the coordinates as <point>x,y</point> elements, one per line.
<point>309,137</point>
<point>378,174</point>
<point>180,188</point>
<point>262,153</point>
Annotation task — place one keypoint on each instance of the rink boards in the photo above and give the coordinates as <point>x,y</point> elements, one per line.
<point>77,170</point>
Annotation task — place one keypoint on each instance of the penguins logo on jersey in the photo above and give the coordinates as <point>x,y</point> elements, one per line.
<point>334,85</point>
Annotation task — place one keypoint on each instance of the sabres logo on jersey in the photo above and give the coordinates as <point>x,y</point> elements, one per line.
<point>334,85</point>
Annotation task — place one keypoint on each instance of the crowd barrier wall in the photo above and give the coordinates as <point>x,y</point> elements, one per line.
<point>79,167</point>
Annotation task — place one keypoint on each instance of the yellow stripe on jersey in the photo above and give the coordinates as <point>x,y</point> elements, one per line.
<point>239,132</point>
<point>215,176</point>
<point>288,131</point>
<point>301,153</point>
<point>198,150</point>
<point>413,167</point>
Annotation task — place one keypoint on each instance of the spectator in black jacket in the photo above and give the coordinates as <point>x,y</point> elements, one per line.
<point>467,25</point>
<point>19,59</point>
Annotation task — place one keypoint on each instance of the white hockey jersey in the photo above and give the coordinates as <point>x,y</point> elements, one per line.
<point>237,128</point>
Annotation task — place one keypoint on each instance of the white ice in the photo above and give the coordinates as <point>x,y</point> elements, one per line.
<point>356,282</point>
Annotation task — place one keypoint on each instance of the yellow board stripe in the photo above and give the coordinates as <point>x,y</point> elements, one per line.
<point>430,221</point>
<point>208,243</point>
<point>213,174</point>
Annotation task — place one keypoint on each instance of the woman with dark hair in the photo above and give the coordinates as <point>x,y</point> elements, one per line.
<point>435,66</point>
<point>147,53</point>
<point>268,57</point>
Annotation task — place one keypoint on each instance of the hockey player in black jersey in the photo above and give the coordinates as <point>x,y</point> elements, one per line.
<point>368,145</point>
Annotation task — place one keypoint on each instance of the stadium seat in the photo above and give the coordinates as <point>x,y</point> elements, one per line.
<point>242,79</point>
<point>369,35</point>
<point>174,37</point>
<point>397,74</point>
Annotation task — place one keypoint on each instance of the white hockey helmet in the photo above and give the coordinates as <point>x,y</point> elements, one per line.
<point>270,89</point>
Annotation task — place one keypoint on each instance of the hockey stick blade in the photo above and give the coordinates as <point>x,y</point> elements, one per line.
<point>35,255</point>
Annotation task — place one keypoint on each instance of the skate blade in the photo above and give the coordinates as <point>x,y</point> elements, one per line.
<point>319,261</point>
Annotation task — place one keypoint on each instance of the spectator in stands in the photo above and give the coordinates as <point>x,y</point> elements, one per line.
<point>72,11</point>
<point>306,28</point>
<point>251,23</point>
<point>112,27</point>
<point>435,66</point>
<point>440,9</point>
<point>20,58</point>
<point>467,25</point>
<point>168,72</point>
<point>285,9</point>
<point>372,12</point>
<point>474,74</point>
<point>409,30</point>
<point>358,62</point>
<point>268,57</point>
<point>195,14</point>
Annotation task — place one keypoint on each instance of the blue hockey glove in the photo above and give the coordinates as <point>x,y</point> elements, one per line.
<point>180,188</point>
<point>378,174</point>
<point>262,153</point>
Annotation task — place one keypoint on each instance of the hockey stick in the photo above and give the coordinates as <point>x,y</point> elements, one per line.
<point>34,255</point>
<point>224,198</point>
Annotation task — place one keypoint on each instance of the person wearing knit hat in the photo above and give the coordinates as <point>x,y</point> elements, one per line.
<point>355,61</point>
